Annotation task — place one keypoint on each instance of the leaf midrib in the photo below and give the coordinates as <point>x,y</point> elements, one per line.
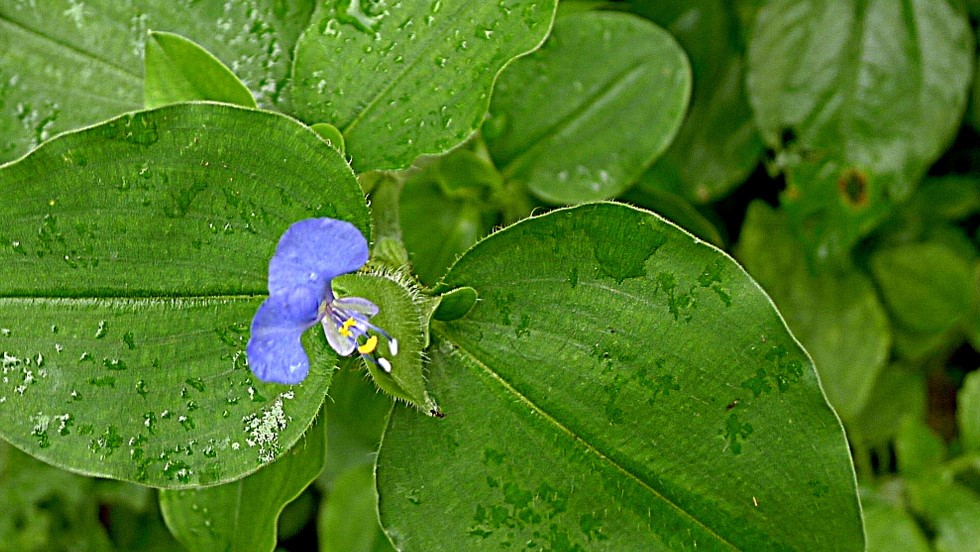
<point>122,71</point>
<point>422,47</point>
<point>600,97</point>
<point>589,447</point>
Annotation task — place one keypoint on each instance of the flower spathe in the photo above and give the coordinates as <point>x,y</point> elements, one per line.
<point>309,255</point>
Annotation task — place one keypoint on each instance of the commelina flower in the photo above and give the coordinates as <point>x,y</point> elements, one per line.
<point>309,255</point>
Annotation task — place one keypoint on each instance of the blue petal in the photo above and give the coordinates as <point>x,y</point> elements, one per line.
<point>274,351</point>
<point>314,251</point>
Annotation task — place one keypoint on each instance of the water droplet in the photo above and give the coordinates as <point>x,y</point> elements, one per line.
<point>113,364</point>
<point>196,383</point>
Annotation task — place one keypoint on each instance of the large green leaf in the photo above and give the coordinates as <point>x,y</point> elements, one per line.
<point>241,516</point>
<point>136,253</point>
<point>411,77</point>
<point>65,65</point>
<point>581,118</point>
<point>837,316</point>
<point>717,146</point>
<point>620,385</point>
<point>859,98</point>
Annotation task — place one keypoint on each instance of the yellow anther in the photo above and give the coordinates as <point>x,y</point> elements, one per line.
<point>369,346</point>
<point>345,328</point>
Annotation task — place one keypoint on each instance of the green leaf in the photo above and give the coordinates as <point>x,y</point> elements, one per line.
<point>412,77</point>
<point>892,529</point>
<point>331,135</point>
<point>356,415</point>
<point>952,510</point>
<point>348,520</point>
<point>837,316</point>
<point>46,508</point>
<point>619,385</point>
<point>926,286</point>
<point>717,145</point>
<point>449,198</point>
<point>153,233</point>
<point>455,304</point>
<point>897,392</point>
<point>67,66</point>
<point>858,98</point>
<point>677,210</point>
<point>398,315</point>
<point>968,412</point>
<point>178,70</point>
<point>564,120</point>
<point>242,515</point>
<point>917,448</point>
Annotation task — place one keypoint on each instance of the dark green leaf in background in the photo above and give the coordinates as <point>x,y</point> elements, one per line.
<point>349,519</point>
<point>178,70</point>
<point>412,77</point>
<point>952,510</point>
<point>717,146</point>
<point>241,516</point>
<point>581,118</point>
<point>898,392</point>
<point>47,509</point>
<point>357,414</point>
<point>858,99</point>
<point>837,316</point>
<point>69,65</point>
<point>445,208</point>
<point>969,412</point>
<point>619,385</point>
<point>891,528</point>
<point>926,286</point>
<point>136,254</point>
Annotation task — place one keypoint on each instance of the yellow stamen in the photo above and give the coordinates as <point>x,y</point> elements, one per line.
<point>369,346</point>
<point>345,328</point>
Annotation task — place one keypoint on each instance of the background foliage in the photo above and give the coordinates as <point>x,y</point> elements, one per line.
<point>830,147</point>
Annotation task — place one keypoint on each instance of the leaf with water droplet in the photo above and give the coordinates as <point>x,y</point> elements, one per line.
<point>393,112</point>
<point>153,318</point>
<point>178,70</point>
<point>61,73</point>
<point>594,411</point>
<point>213,518</point>
<point>567,112</point>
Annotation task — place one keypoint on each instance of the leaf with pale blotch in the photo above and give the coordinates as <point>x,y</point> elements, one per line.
<point>241,516</point>
<point>153,233</point>
<point>619,385</point>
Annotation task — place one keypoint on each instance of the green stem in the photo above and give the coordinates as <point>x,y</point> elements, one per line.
<point>388,246</point>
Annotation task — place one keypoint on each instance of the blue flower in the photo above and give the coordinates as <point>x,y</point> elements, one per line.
<point>309,255</point>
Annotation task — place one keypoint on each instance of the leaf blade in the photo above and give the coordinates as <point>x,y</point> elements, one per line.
<point>653,429</point>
